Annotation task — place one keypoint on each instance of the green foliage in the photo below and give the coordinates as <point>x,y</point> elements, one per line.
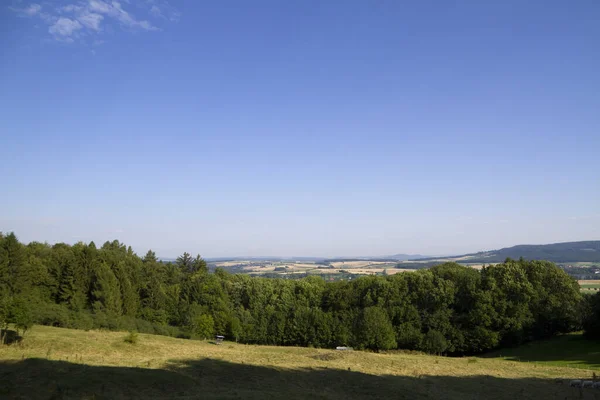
<point>203,326</point>
<point>21,316</point>
<point>375,331</point>
<point>106,290</point>
<point>434,342</point>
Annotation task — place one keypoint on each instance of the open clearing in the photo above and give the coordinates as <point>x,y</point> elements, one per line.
<point>68,364</point>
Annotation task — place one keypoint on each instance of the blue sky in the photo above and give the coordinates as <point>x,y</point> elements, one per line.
<point>322,128</point>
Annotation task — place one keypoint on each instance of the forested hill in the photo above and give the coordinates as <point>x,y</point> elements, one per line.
<point>587,251</point>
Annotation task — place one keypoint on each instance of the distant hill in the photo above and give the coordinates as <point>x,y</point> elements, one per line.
<point>587,251</point>
<point>404,257</point>
<point>264,258</point>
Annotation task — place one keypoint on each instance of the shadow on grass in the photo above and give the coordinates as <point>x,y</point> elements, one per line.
<point>8,336</point>
<point>216,379</point>
<point>566,350</point>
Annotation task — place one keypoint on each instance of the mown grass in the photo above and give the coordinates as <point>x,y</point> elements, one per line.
<point>68,364</point>
<point>571,350</point>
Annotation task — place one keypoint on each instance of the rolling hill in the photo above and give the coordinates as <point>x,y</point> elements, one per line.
<point>585,251</point>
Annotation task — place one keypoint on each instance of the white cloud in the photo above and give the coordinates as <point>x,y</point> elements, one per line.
<point>64,27</point>
<point>70,8</point>
<point>115,11</point>
<point>155,10</point>
<point>29,11</point>
<point>32,9</point>
<point>91,20</point>
<point>162,9</point>
<point>99,6</point>
<point>84,19</point>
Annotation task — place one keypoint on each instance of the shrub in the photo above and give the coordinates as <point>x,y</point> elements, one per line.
<point>132,338</point>
<point>434,342</point>
<point>22,316</point>
<point>81,320</point>
<point>52,315</point>
<point>144,326</point>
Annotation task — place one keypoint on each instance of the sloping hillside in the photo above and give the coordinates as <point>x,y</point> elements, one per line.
<point>587,251</point>
<point>68,364</point>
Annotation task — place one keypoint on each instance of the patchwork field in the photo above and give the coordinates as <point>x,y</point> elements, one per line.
<point>68,364</point>
<point>589,286</point>
<point>346,269</point>
<point>291,267</point>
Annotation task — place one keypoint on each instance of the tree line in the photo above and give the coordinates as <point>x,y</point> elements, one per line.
<point>448,309</point>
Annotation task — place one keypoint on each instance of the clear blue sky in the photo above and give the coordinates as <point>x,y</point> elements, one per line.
<point>300,127</point>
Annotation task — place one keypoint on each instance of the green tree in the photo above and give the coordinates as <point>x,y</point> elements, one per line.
<point>13,258</point>
<point>202,325</point>
<point>199,265</point>
<point>106,295</point>
<point>70,291</point>
<point>185,262</point>
<point>375,330</point>
<point>434,342</point>
<point>21,315</point>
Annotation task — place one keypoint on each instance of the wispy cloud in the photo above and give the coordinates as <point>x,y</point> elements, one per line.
<point>155,10</point>
<point>162,9</point>
<point>91,20</point>
<point>32,9</point>
<point>114,10</point>
<point>87,18</point>
<point>64,29</point>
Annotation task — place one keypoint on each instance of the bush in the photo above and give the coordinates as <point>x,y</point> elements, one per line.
<point>167,330</point>
<point>154,316</point>
<point>144,326</point>
<point>81,320</point>
<point>53,315</point>
<point>132,338</point>
<point>21,316</point>
<point>434,342</point>
<point>127,324</point>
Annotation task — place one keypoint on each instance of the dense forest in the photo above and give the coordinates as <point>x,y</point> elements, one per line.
<point>448,309</point>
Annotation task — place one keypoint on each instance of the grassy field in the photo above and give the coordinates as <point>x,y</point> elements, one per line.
<point>589,286</point>
<point>54,363</point>
<point>562,351</point>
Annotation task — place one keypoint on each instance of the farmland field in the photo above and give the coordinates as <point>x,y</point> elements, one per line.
<point>589,286</point>
<point>325,269</point>
<point>68,364</point>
